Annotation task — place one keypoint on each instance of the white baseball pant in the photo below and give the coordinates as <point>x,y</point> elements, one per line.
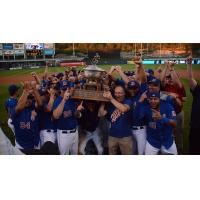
<point>140,136</point>
<point>11,126</point>
<point>96,139</point>
<point>67,142</point>
<point>6,148</point>
<point>150,150</point>
<point>47,135</point>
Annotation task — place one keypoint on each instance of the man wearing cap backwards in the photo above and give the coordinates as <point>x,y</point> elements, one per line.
<point>64,112</point>
<point>11,102</point>
<point>161,119</point>
<point>25,118</point>
<point>138,125</point>
<point>119,115</point>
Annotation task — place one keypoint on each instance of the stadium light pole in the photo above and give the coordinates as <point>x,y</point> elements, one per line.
<point>160,49</point>
<point>73,51</point>
<point>135,49</point>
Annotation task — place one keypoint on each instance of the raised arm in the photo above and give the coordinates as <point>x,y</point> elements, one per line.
<point>122,75</point>
<point>164,72</point>
<point>122,107</point>
<point>51,100</point>
<point>102,111</point>
<point>59,110</point>
<point>36,77</point>
<point>22,100</point>
<point>35,93</point>
<point>192,81</point>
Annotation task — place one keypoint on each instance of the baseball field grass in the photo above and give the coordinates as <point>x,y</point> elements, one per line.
<point>11,75</point>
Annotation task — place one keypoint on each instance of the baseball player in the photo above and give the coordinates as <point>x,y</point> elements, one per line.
<point>47,124</point>
<point>64,113</point>
<point>89,122</point>
<point>10,104</point>
<point>161,119</point>
<point>25,118</point>
<point>138,125</point>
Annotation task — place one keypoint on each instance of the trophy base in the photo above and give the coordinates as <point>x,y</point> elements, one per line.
<point>88,95</point>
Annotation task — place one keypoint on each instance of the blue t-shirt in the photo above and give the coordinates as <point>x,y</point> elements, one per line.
<point>67,120</point>
<point>120,122</point>
<point>159,133</point>
<point>46,120</point>
<point>26,125</point>
<point>10,105</point>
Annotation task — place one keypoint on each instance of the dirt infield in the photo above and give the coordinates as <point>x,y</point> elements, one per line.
<point>18,79</point>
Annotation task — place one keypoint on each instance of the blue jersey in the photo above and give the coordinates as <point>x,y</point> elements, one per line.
<point>10,105</point>
<point>136,121</point>
<point>143,87</point>
<point>67,120</point>
<point>120,122</point>
<point>46,119</point>
<point>26,128</point>
<point>159,133</point>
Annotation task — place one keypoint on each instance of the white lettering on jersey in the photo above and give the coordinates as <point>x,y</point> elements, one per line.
<point>152,125</point>
<point>115,115</point>
<point>24,125</point>
<point>67,113</point>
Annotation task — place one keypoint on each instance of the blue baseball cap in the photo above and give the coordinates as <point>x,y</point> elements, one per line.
<point>154,81</point>
<point>59,75</point>
<point>150,71</point>
<point>64,85</point>
<point>153,94</point>
<point>133,84</point>
<point>13,88</point>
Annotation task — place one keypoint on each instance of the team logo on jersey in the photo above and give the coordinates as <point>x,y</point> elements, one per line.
<point>152,125</point>
<point>164,115</point>
<point>115,115</point>
<point>24,125</point>
<point>67,113</point>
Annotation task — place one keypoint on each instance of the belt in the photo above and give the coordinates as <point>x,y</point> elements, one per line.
<point>138,127</point>
<point>68,131</point>
<point>50,130</point>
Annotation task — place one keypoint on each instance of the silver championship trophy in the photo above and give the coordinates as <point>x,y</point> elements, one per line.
<point>94,85</point>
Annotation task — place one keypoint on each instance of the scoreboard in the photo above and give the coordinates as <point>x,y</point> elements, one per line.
<point>34,52</point>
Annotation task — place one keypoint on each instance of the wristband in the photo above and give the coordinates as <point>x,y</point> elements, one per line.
<point>165,120</point>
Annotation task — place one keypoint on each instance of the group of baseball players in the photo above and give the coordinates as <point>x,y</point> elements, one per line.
<point>143,114</point>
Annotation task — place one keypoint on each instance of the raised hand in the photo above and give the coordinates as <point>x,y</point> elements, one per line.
<point>143,97</point>
<point>118,68</point>
<point>107,95</point>
<point>80,107</point>
<point>156,114</point>
<point>189,60</point>
<point>33,74</point>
